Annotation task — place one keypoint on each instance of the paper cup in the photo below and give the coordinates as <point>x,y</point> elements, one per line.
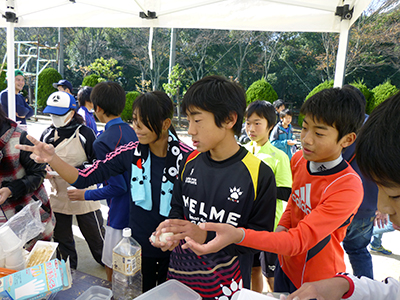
<point>18,267</point>
<point>8,239</point>
<point>15,258</point>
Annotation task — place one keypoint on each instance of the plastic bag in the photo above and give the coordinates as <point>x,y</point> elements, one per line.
<point>26,224</point>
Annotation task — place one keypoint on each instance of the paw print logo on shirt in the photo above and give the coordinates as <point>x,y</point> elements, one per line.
<point>231,292</point>
<point>235,194</point>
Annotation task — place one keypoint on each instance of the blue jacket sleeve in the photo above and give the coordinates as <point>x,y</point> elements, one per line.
<point>115,163</point>
<point>113,187</point>
<point>116,186</point>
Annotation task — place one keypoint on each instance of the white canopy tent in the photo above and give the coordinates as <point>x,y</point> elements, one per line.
<point>264,15</point>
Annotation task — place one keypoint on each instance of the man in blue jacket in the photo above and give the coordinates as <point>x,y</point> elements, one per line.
<point>23,110</point>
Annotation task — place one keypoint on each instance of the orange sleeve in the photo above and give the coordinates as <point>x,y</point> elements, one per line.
<point>338,204</point>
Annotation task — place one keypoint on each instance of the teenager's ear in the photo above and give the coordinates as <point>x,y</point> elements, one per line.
<point>347,140</point>
<point>166,124</point>
<point>231,120</point>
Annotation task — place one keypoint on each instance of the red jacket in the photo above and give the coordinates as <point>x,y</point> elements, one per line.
<point>318,212</point>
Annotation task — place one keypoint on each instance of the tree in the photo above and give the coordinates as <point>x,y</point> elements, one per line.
<point>127,113</point>
<point>196,51</point>
<point>84,45</point>
<point>3,75</point>
<point>381,93</point>
<point>246,42</point>
<point>45,85</point>
<point>294,72</point>
<point>91,80</point>
<point>261,90</point>
<point>173,88</point>
<point>368,95</point>
<point>134,44</point>
<point>106,69</point>
<point>175,79</point>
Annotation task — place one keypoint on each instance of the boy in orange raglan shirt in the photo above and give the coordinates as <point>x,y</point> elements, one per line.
<point>326,193</point>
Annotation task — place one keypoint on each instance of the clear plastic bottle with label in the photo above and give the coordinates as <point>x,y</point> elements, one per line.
<point>127,262</point>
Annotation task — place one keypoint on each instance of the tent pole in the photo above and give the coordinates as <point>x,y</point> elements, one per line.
<point>172,53</point>
<point>342,52</point>
<point>10,70</point>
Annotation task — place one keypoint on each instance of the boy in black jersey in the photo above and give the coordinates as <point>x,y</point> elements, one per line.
<point>220,182</point>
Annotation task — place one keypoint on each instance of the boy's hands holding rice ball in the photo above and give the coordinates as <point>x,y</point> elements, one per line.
<point>170,232</point>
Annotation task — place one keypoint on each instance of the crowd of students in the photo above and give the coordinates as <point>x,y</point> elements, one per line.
<point>223,202</point>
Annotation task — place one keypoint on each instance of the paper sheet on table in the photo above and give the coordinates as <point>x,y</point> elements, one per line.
<point>246,294</point>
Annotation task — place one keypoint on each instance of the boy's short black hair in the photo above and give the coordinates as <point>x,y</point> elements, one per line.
<point>218,96</point>
<point>341,108</point>
<point>109,96</point>
<point>362,97</point>
<point>84,95</point>
<point>152,109</point>
<point>377,145</point>
<point>285,112</point>
<point>263,109</point>
<point>278,103</point>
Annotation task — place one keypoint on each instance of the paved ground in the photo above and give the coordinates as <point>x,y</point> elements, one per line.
<point>384,265</point>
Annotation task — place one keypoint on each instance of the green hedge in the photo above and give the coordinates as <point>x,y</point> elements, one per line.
<point>369,95</point>
<point>3,76</point>
<point>381,93</point>
<point>126,114</point>
<point>261,90</point>
<point>45,85</point>
<point>91,80</point>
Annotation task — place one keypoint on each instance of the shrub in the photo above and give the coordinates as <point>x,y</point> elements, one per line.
<point>91,80</point>
<point>3,76</point>
<point>261,90</point>
<point>126,114</point>
<point>45,85</point>
<point>322,86</point>
<point>381,93</point>
<point>369,96</point>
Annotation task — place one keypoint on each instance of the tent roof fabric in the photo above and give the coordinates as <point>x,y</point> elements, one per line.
<point>263,15</point>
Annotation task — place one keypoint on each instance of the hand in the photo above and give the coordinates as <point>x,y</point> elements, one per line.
<point>184,228</point>
<point>328,289</point>
<point>30,288</point>
<point>76,195</point>
<point>170,244</point>
<point>48,169</point>
<point>280,228</point>
<point>5,192</point>
<point>381,219</point>
<point>225,235</point>
<point>41,152</point>
<point>291,142</point>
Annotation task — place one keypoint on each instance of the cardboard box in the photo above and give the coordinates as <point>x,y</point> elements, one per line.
<point>38,281</point>
<point>4,296</point>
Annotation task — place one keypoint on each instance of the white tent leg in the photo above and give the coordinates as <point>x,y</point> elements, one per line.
<point>10,70</point>
<point>341,54</point>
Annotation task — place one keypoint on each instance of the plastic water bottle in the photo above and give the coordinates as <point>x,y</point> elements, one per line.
<point>127,262</point>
